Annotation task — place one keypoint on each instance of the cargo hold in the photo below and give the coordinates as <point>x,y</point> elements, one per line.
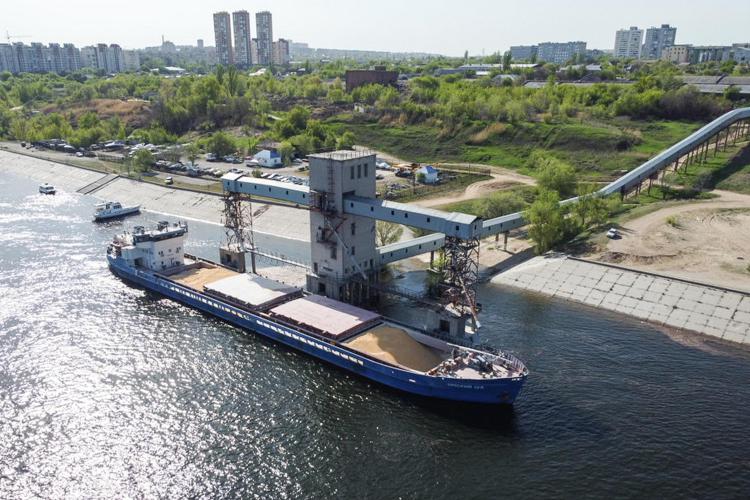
<point>251,291</point>
<point>327,317</point>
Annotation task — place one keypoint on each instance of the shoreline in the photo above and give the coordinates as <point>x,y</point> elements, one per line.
<point>275,220</point>
<point>711,310</point>
<point>658,299</point>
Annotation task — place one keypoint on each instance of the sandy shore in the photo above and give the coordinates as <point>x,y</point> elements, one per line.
<point>706,241</point>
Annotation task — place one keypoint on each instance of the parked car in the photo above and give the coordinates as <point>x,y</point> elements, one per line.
<point>168,180</point>
<point>613,233</point>
<point>211,157</point>
<point>79,154</point>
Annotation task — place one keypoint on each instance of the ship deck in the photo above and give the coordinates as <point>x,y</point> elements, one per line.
<point>392,345</point>
<point>196,277</point>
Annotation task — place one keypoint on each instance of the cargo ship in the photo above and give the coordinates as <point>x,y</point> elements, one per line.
<point>352,338</point>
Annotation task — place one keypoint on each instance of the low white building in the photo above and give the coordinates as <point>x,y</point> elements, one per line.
<point>268,158</point>
<point>428,174</point>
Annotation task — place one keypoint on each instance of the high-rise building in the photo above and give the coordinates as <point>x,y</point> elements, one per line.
<point>523,52</point>
<point>89,57</point>
<point>560,53</point>
<point>8,58</point>
<point>102,54</point>
<point>131,60</point>
<point>241,27</point>
<point>37,58</point>
<point>281,52</point>
<point>628,43</point>
<point>254,50</point>
<point>223,35</point>
<point>264,30</point>
<point>71,57</point>
<point>658,39</point>
<point>200,43</point>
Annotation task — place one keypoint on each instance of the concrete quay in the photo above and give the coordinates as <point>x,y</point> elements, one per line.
<point>286,222</point>
<point>715,312</point>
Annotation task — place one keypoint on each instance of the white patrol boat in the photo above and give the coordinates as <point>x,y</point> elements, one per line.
<point>113,209</point>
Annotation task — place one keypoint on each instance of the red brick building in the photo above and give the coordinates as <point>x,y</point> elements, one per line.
<point>359,77</point>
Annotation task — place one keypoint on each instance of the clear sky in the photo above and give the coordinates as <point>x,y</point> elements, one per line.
<point>440,26</point>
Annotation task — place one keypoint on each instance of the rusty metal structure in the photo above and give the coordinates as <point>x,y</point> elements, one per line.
<point>458,290</point>
<point>237,216</point>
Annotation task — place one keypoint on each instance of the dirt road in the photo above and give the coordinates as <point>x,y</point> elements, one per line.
<point>707,241</point>
<point>499,182</point>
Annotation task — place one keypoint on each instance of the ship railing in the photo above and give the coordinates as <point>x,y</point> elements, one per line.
<point>510,361</point>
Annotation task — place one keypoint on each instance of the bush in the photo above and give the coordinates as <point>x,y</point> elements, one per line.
<point>502,203</point>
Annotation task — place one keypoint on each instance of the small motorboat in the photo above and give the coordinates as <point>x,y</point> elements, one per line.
<point>47,188</point>
<point>113,209</point>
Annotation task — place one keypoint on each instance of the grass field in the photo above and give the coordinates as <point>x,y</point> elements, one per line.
<point>477,206</point>
<point>598,150</point>
<point>729,170</point>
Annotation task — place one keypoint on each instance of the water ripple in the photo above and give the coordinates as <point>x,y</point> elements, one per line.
<point>110,391</point>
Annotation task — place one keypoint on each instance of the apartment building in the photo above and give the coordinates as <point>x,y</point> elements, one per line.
<point>264,31</point>
<point>241,26</point>
<point>223,36</point>
<point>658,39</point>
<point>628,43</point>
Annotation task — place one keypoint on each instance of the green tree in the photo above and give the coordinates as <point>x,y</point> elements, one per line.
<point>143,160</point>
<point>221,144</point>
<point>346,141</point>
<point>88,120</point>
<point>193,151</point>
<point>555,175</point>
<point>591,209</point>
<point>252,144</point>
<point>232,81</point>
<point>286,150</point>
<point>546,221</point>
<point>507,58</point>
<point>387,233</point>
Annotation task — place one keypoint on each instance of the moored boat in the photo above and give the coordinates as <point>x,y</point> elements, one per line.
<point>113,210</point>
<point>361,341</point>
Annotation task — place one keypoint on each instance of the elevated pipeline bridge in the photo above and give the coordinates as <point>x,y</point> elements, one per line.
<point>446,226</point>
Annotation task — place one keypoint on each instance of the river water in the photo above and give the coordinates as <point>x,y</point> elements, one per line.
<point>109,391</point>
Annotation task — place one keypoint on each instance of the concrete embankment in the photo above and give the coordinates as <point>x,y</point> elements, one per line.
<point>270,219</point>
<point>719,313</point>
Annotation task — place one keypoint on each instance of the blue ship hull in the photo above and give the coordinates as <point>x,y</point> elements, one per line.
<point>490,391</point>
